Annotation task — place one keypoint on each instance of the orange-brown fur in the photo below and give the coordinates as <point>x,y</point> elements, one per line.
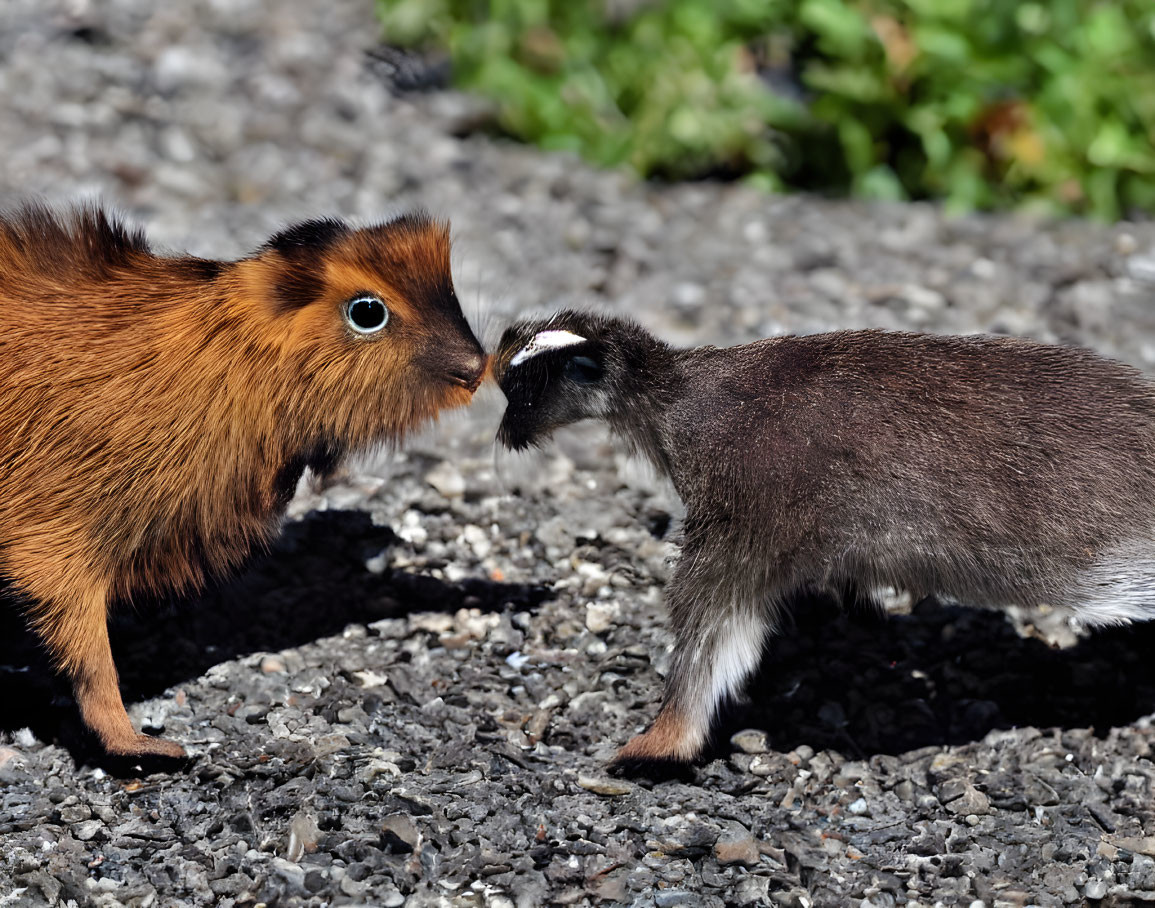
<point>156,412</point>
<point>671,738</point>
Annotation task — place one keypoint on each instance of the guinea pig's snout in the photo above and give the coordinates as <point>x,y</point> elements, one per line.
<point>468,370</point>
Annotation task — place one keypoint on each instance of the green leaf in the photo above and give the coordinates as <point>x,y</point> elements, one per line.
<point>982,103</point>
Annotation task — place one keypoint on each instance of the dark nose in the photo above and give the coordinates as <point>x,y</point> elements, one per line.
<point>469,370</point>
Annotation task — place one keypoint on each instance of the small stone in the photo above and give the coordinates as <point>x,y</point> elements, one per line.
<point>86,831</point>
<point>752,890</point>
<point>7,755</point>
<point>1095,889</point>
<point>608,787</point>
<point>737,846</point>
<point>751,741</point>
<point>687,295</point>
<point>447,480</point>
<point>984,269</point>
<point>351,887</point>
<point>303,836</point>
<point>478,540</point>
<point>517,660</point>
<point>400,833</point>
<point>755,232</point>
<point>316,880</point>
<point>272,665</point>
<point>601,616</point>
<point>610,887</point>
<point>370,679</point>
<point>950,789</point>
<point>923,297</point>
<point>352,715</point>
<point>859,807</point>
<point>670,898</point>
<point>1138,844</point>
<point>411,529</point>
<point>1142,268</point>
<point>75,813</point>
<point>791,898</point>
<point>683,833</point>
<point>762,765</point>
<point>971,801</point>
<point>431,622</point>
<point>474,624</point>
<point>1142,875</point>
<point>292,874</point>
<point>47,885</point>
<point>376,768</point>
<point>944,766</point>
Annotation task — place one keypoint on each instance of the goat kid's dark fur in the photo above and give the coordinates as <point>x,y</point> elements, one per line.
<point>988,471</point>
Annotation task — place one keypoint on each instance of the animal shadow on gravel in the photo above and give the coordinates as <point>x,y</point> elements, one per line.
<point>862,684</point>
<point>312,584</point>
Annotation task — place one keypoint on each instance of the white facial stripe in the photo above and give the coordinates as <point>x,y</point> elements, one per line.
<point>543,341</point>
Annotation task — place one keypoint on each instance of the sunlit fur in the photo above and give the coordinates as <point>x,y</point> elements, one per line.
<point>156,413</point>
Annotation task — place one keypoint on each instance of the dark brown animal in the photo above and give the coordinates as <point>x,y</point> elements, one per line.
<point>989,471</point>
<point>156,413</point>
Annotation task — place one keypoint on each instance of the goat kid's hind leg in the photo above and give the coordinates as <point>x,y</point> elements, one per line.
<point>77,638</point>
<point>719,638</point>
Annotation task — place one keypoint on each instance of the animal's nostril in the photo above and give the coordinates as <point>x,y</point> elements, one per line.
<point>469,370</point>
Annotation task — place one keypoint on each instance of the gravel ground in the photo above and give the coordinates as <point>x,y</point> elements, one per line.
<point>412,700</point>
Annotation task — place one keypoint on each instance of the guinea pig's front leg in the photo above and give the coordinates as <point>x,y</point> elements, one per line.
<point>720,627</point>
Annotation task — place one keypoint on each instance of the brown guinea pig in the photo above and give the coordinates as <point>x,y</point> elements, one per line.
<point>988,471</point>
<point>156,412</point>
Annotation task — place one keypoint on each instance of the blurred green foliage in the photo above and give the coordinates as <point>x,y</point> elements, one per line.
<point>984,103</point>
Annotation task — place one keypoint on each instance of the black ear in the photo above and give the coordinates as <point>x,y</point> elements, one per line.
<point>309,236</point>
<point>303,247</point>
<point>583,370</point>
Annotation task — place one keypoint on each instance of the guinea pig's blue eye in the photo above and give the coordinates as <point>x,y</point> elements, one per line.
<point>583,370</point>
<point>366,313</point>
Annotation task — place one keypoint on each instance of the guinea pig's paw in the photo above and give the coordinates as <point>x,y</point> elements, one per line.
<point>142,754</point>
<point>144,746</point>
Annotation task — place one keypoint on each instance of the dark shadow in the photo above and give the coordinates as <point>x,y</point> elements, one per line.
<point>313,584</point>
<point>863,684</point>
<point>854,682</point>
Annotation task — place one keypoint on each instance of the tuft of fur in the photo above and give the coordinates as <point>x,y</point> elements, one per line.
<point>988,471</point>
<point>156,413</point>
